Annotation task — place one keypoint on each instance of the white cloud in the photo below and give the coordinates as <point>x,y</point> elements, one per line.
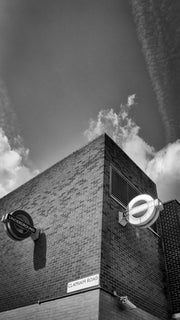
<point>164,169</point>
<point>162,166</point>
<point>119,126</point>
<point>13,171</point>
<point>15,167</point>
<point>131,100</point>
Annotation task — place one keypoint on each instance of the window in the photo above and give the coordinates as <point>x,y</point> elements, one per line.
<point>120,188</point>
<point>123,191</point>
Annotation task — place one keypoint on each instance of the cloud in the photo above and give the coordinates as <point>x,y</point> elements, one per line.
<point>131,100</point>
<point>164,169</point>
<point>119,126</point>
<point>15,166</point>
<point>13,172</point>
<point>162,166</point>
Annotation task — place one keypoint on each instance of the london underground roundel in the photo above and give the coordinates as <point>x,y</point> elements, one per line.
<point>18,225</point>
<point>143,211</point>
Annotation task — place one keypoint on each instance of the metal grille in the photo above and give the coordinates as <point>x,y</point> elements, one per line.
<point>121,189</point>
<point>123,192</point>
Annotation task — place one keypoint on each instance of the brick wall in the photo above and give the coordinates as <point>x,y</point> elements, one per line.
<point>109,309</point>
<point>84,306</point>
<point>170,232</point>
<point>81,236</point>
<point>130,256</point>
<point>66,202</point>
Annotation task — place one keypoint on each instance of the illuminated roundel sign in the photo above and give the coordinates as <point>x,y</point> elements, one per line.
<point>18,225</point>
<point>143,211</point>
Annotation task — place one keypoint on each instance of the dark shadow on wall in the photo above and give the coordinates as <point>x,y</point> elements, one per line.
<point>40,248</point>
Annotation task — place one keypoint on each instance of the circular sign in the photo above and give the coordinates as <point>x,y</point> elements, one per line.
<point>143,211</point>
<point>19,225</point>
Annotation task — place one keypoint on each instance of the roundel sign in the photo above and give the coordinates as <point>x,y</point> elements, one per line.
<point>143,211</point>
<point>18,225</point>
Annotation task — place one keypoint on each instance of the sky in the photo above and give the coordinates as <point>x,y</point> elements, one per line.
<point>71,70</point>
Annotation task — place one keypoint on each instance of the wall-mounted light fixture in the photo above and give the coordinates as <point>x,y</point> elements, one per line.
<point>19,225</point>
<point>176,316</point>
<point>125,302</point>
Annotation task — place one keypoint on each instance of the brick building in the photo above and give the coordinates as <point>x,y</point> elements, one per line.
<point>84,259</point>
<point>170,234</point>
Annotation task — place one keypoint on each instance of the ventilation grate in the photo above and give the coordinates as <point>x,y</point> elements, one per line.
<point>121,189</point>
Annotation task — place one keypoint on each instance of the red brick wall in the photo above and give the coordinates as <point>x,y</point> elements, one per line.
<point>84,306</point>
<point>170,232</point>
<point>66,202</point>
<point>130,257</point>
<point>109,309</point>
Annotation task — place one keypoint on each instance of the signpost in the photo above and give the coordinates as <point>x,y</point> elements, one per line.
<point>19,225</point>
<point>142,211</point>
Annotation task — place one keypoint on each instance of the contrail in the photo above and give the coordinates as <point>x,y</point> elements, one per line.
<point>151,19</point>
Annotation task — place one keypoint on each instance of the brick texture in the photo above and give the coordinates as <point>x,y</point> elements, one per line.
<point>110,309</point>
<point>130,256</point>
<point>81,236</point>
<point>66,202</point>
<point>78,307</point>
<point>170,232</point>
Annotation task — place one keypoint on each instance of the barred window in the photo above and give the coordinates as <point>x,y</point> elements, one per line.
<point>121,189</point>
